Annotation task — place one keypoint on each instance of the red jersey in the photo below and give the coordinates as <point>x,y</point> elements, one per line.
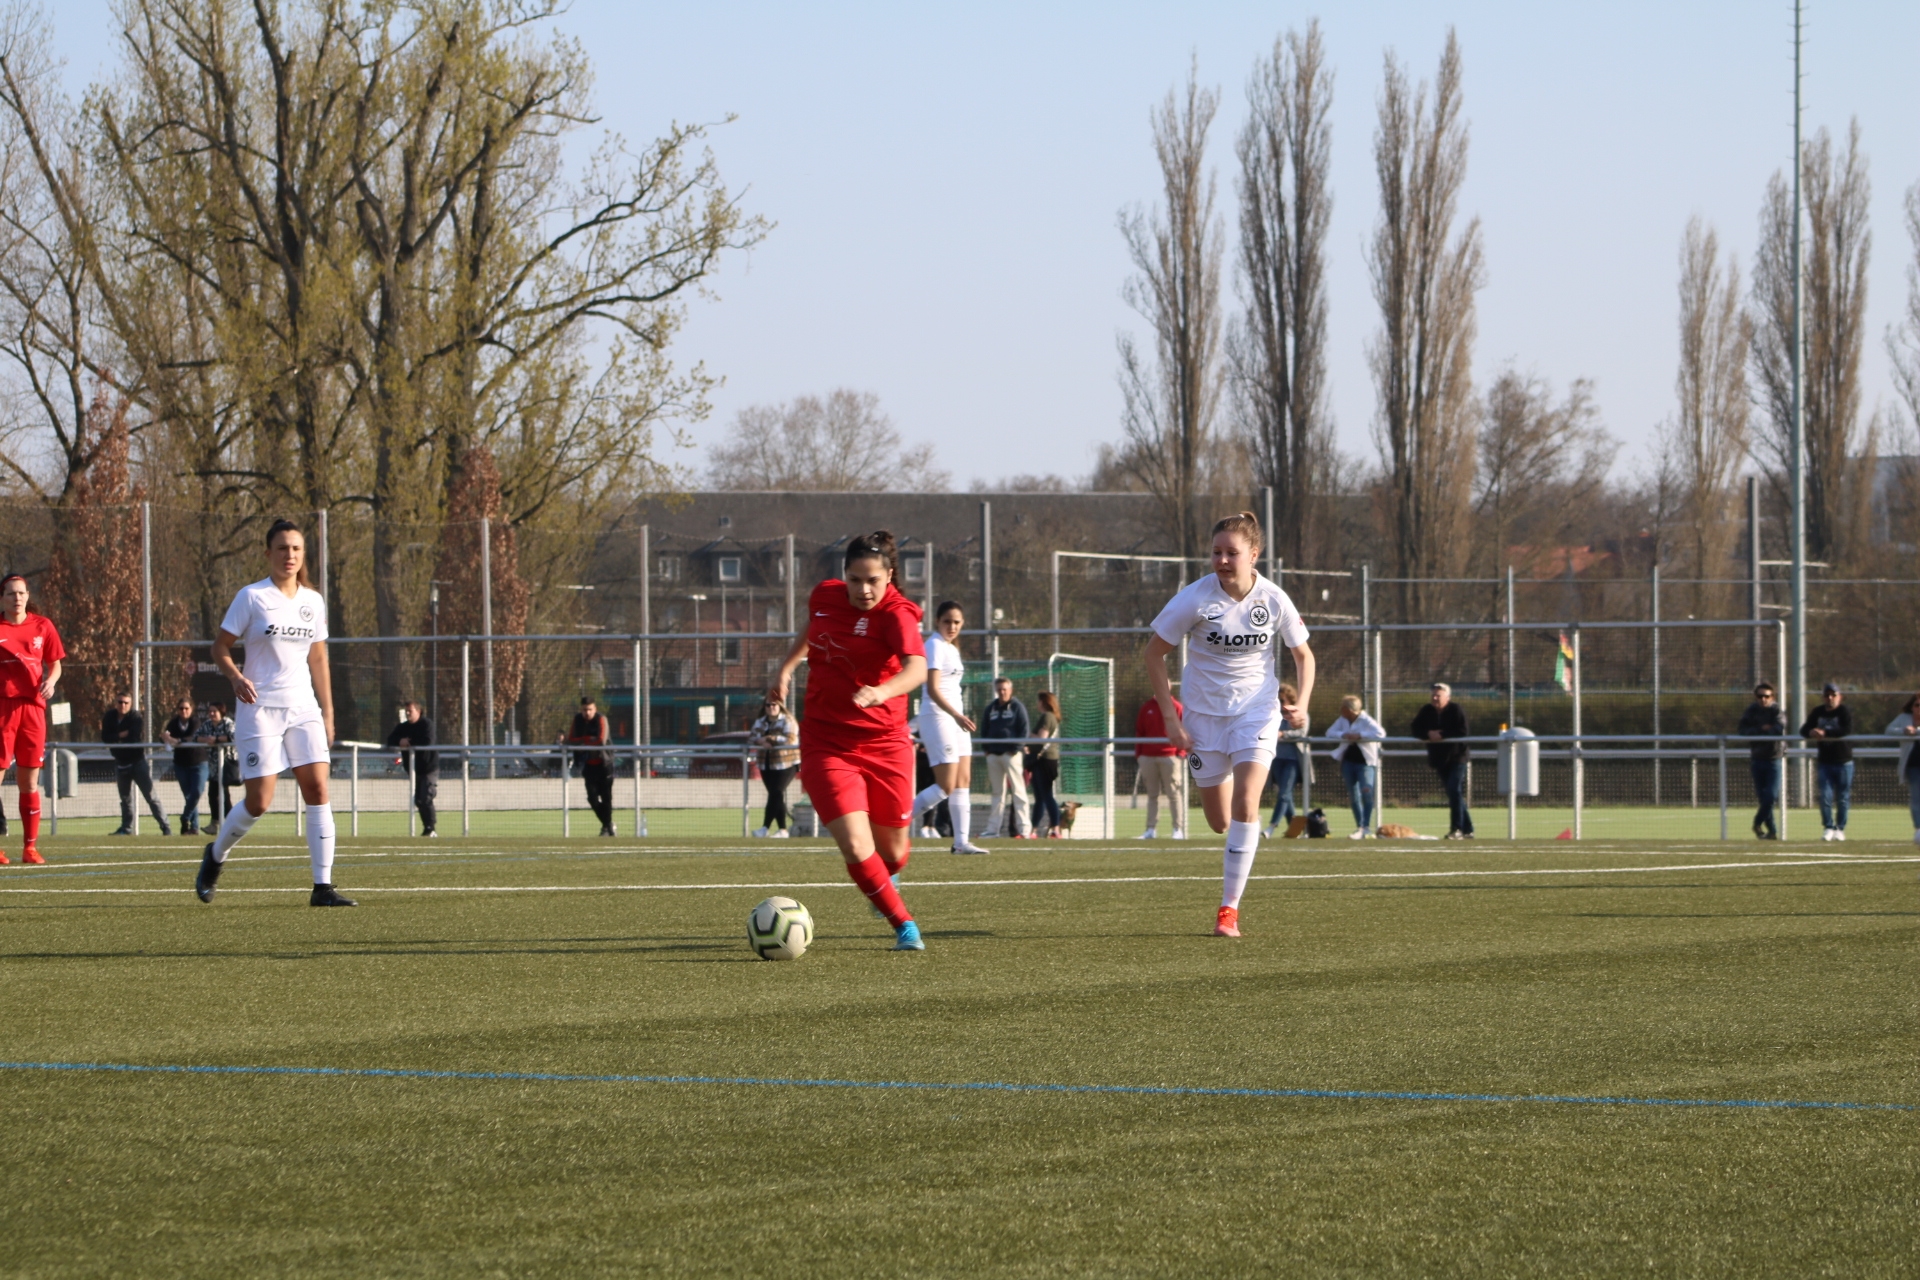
<point>1150,724</point>
<point>26,648</point>
<point>848,648</point>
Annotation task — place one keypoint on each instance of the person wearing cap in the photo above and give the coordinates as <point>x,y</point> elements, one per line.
<point>1828,728</point>
<point>1437,723</point>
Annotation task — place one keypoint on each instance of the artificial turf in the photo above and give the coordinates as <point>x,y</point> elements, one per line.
<point>1789,979</point>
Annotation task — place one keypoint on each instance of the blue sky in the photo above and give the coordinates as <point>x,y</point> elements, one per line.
<point>946,180</point>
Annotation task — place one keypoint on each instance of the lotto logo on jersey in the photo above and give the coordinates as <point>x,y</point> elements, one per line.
<point>1236,642</point>
<point>290,633</point>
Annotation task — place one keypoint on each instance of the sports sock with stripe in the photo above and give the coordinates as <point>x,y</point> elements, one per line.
<point>29,818</point>
<point>896,865</point>
<point>240,820</point>
<point>872,879</point>
<point>1242,839</point>
<point>960,813</point>
<point>320,842</point>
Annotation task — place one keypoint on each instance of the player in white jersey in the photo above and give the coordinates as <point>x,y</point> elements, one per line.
<point>284,712</point>
<point>1235,620</point>
<point>947,730</point>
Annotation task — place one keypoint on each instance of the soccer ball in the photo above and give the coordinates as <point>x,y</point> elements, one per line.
<point>779,929</point>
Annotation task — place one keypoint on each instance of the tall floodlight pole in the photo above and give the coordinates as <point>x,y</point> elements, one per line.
<point>1799,442</point>
<point>1266,515</point>
<point>986,586</point>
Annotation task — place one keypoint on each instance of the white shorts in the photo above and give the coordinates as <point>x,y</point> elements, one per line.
<point>1221,742</point>
<point>269,740</point>
<point>946,741</point>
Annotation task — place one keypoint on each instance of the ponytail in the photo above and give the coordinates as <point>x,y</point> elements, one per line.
<point>1245,524</point>
<point>878,545</point>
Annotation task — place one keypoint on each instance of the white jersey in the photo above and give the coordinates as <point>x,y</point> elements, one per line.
<point>945,668</point>
<point>1232,658</point>
<point>277,631</point>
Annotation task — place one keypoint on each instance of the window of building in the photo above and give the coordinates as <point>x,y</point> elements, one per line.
<point>729,568</point>
<point>915,568</point>
<point>667,569</point>
<point>727,650</point>
<point>775,617</point>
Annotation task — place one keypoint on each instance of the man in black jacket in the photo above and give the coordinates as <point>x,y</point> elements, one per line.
<point>1002,725</point>
<point>412,733</point>
<point>1765,719</point>
<point>1828,727</point>
<point>1437,723</point>
<point>122,723</point>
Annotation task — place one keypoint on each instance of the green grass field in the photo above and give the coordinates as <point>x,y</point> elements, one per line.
<point>1708,972</point>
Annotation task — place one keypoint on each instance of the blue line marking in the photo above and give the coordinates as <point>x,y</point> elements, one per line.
<point>1164,1091</point>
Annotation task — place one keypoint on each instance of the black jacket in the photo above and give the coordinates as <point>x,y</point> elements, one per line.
<point>1451,721</point>
<point>416,734</point>
<point>1003,720</point>
<point>185,731</point>
<point>1761,721</point>
<point>1833,722</point>
<point>130,727</point>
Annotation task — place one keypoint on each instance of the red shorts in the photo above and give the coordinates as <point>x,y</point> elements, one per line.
<point>876,780</point>
<point>23,734</point>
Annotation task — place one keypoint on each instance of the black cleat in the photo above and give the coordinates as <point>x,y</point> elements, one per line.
<point>325,895</point>
<point>209,874</point>
<point>121,831</point>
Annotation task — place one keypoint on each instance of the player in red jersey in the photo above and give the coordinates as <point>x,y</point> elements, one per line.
<point>863,654</point>
<point>30,654</point>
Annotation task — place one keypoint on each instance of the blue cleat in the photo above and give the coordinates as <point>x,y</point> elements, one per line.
<point>907,938</point>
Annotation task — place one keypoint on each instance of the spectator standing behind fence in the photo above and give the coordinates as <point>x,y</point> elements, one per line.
<point>217,733</point>
<point>1002,725</point>
<point>1291,759</point>
<point>1765,719</point>
<point>1907,725</point>
<point>184,733</point>
<point>1828,728</point>
<point>1436,724</point>
<point>414,732</point>
<point>122,723</point>
<point>1359,736</point>
<point>1156,765</point>
<point>590,730</point>
<point>777,738</point>
<point>1043,762</point>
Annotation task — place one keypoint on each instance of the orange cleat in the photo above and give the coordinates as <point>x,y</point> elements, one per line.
<point>32,857</point>
<point>1227,923</point>
<point>4,859</point>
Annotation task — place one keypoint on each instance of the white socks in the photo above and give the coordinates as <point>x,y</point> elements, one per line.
<point>960,811</point>
<point>1242,839</point>
<point>924,802</point>
<point>320,841</point>
<point>239,821</point>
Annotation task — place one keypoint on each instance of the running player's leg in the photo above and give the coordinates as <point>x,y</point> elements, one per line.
<point>838,788</point>
<point>890,799</point>
<point>954,777</point>
<point>31,742</point>
<point>312,762</point>
<point>262,752</point>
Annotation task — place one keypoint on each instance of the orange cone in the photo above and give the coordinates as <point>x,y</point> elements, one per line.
<point>1565,835</point>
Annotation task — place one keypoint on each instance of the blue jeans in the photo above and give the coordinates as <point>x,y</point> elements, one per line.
<point>193,784</point>
<point>1766,793</point>
<point>1454,779</point>
<point>1286,771</point>
<point>1836,789</point>
<point>1360,778</point>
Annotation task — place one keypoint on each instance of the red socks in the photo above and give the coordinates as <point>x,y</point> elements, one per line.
<point>30,817</point>
<point>873,880</point>
<point>894,868</point>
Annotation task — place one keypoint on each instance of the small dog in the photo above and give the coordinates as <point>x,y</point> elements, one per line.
<point>1394,831</point>
<point>1069,810</point>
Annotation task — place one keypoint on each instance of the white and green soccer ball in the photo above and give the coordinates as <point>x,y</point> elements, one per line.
<point>779,929</point>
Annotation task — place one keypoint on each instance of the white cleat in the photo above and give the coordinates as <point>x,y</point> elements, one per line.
<point>1180,833</point>
<point>1151,833</point>
<point>760,833</point>
<point>1840,834</point>
<point>1360,834</point>
<point>1827,835</point>
<point>779,833</point>
<point>966,846</point>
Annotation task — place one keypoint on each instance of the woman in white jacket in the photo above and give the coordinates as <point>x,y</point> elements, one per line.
<point>1359,736</point>
<point>1907,724</point>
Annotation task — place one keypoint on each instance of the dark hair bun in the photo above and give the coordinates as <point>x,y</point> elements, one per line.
<point>878,545</point>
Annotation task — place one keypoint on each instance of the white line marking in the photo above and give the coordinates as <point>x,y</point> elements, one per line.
<point>956,884</point>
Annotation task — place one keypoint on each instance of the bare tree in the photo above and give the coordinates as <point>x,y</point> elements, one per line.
<point>1169,409</point>
<point>1839,464</point>
<point>1903,346</point>
<point>1277,353</point>
<point>1703,444</point>
<point>842,444</point>
<point>1424,280</point>
<point>1541,464</point>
